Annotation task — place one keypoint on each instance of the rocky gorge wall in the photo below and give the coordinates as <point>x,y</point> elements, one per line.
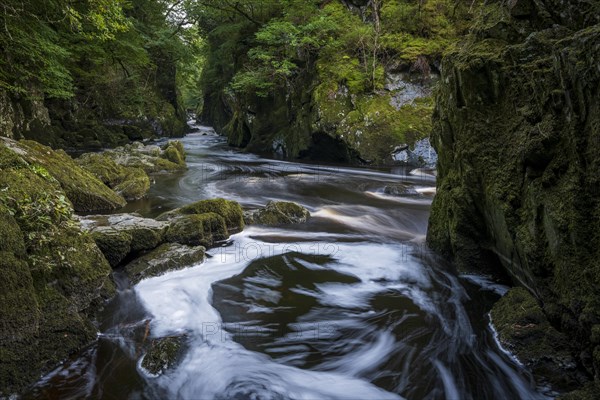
<point>517,130</point>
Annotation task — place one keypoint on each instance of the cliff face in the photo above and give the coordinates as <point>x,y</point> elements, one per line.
<point>517,129</point>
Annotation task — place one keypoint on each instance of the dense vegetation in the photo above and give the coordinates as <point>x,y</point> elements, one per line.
<point>287,73</point>
<point>95,72</point>
<point>337,79</point>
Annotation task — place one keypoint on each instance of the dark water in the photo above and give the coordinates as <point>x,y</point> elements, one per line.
<point>350,305</point>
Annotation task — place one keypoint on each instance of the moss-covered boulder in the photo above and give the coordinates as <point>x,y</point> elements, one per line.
<point>124,235</point>
<point>83,189</point>
<point>174,152</point>
<point>231,212</point>
<point>150,158</point>
<point>52,275</point>
<point>197,229</point>
<point>166,257</point>
<point>279,212</point>
<point>164,353</point>
<point>523,329</point>
<point>130,182</point>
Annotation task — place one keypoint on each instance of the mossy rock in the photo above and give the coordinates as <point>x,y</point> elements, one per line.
<point>124,235</point>
<point>83,189</point>
<point>231,211</point>
<point>11,236</point>
<point>103,167</point>
<point>151,158</point>
<point>523,328</point>
<point>197,229</point>
<point>114,244</point>
<point>167,257</point>
<point>163,354</point>
<point>175,153</point>
<point>134,185</point>
<point>281,212</point>
<point>131,183</point>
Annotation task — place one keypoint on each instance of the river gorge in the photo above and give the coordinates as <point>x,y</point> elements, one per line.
<point>350,304</point>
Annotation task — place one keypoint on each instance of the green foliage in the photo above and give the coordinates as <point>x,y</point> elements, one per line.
<point>35,41</point>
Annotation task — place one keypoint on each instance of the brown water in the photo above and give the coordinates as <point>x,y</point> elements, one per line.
<point>350,305</point>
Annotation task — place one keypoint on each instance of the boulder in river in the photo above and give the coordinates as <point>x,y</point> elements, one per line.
<point>278,212</point>
<point>121,235</point>
<point>166,257</point>
<point>524,329</point>
<point>151,158</point>
<point>197,229</point>
<point>399,189</point>
<point>163,354</point>
<point>231,212</point>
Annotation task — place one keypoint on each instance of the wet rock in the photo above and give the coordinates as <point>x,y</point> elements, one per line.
<point>523,329</point>
<point>197,229</point>
<point>120,235</point>
<point>231,212</point>
<point>279,212</point>
<point>167,257</point>
<point>84,190</point>
<point>399,189</point>
<point>163,354</point>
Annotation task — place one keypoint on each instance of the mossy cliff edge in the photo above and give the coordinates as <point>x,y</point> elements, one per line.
<point>517,129</point>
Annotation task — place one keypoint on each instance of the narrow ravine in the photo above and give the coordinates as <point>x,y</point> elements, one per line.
<point>349,305</point>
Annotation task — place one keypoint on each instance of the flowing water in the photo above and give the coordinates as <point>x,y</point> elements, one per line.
<point>350,305</point>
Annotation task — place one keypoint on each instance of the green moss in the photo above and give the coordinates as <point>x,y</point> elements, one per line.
<point>145,238</point>
<point>11,237</point>
<point>51,274</point>
<point>231,211</point>
<point>175,153</point>
<point>83,189</point>
<point>20,309</point>
<point>130,182</point>
<point>197,229</point>
<point>167,257</point>
<point>103,167</point>
<point>114,244</point>
<point>135,184</point>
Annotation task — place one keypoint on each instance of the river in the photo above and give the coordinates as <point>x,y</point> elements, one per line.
<point>350,305</point>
